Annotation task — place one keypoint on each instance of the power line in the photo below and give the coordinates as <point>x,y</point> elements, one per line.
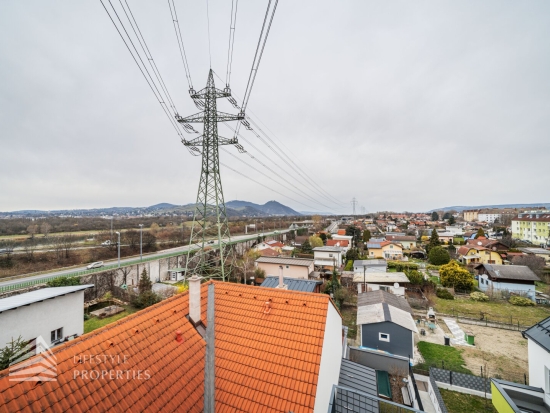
<point>208,22</point>
<point>232,25</point>
<point>179,37</point>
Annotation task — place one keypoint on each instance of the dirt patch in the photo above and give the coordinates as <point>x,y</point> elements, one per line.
<point>503,351</point>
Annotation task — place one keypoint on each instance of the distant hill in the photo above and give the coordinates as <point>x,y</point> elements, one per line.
<point>233,209</point>
<point>269,208</point>
<point>462,208</point>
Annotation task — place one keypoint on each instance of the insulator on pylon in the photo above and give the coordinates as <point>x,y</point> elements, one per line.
<point>232,100</point>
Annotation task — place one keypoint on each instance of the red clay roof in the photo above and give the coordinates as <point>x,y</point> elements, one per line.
<point>264,362</point>
<point>269,252</point>
<point>340,242</point>
<point>341,232</point>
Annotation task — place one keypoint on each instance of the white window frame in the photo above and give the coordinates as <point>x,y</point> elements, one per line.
<point>57,335</point>
<point>382,338</point>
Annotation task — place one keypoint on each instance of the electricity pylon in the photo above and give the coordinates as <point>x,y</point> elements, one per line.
<point>210,216</point>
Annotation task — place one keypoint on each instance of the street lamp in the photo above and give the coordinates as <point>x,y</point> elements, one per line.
<point>118,233</point>
<point>140,242</point>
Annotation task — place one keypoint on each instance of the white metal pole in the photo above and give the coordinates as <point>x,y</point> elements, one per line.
<point>140,242</point>
<point>118,233</point>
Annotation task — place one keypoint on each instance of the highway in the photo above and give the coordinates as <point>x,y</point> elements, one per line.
<point>128,261</point>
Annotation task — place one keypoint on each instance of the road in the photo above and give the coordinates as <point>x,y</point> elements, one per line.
<point>123,261</point>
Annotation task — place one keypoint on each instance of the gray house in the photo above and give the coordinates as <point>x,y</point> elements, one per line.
<point>377,265</point>
<point>385,323</point>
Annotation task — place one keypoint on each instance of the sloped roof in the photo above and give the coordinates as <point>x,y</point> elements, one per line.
<point>379,296</point>
<point>264,362</point>
<point>370,263</point>
<point>381,312</point>
<point>303,262</point>
<point>511,272</point>
<point>540,333</point>
<point>294,284</point>
<point>328,249</point>
<point>341,232</point>
<point>36,296</point>
<point>381,277</point>
<point>337,242</point>
<point>358,377</point>
<point>269,252</point>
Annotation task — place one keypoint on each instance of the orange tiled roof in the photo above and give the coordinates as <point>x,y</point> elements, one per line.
<point>269,252</point>
<point>340,242</point>
<point>264,362</point>
<point>341,232</point>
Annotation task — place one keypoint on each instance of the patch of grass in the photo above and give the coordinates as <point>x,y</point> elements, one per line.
<point>465,403</point>
<point>94,323</point>
<point>435,353</point>
<point>435,280</point>
<point>500,311</point>
<point>349,319</point>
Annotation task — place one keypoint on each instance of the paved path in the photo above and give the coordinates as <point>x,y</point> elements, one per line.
<point>458,334</point>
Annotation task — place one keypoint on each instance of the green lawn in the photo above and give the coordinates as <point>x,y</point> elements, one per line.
<point>465,403</point>
<point>494,310</point>
<point>435,353</point>
<point>94,323</point>
<point>349,319</point>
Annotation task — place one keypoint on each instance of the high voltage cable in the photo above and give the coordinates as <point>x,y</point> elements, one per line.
<point>253,180</point>
<point>257,56</point>
<point>273,171</point>
<point>232,25</point>
<point>177,29</point>
<point>148,79</point>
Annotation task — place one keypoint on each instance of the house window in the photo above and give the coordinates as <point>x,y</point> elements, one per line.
<point>56,335</point>
<point>330,255</point>
<point>384,337</point>
<point>287,266</point>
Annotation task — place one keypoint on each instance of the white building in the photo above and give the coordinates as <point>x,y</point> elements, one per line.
<point>391,282</point>
<point>378,265</point>
<point>518,279</point>
<point>454,229</point>
<point>490,218</point>
<point>55,314</point>
<point>328,257</point>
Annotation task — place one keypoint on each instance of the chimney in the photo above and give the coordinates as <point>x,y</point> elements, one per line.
<point>195,299</point>
<point>281,279</point>
<point>210,362</point>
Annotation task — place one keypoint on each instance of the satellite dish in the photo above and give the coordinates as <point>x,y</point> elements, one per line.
<point>479,243</point>
<point>395,285</point>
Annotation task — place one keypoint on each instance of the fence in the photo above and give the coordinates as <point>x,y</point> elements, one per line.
<point>484,320</point>
<point>480,383</point>
<point>435,395</point>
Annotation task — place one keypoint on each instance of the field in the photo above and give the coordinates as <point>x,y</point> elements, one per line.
<point>500,311</point>
<point>465,403</point>
<point>94,323</point>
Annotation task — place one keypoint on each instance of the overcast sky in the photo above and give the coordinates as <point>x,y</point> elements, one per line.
<point>403,105</point>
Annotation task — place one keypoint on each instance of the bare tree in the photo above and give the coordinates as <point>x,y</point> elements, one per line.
<point>7,249</point>
<point>68,244</point>
<point>45,229</point>
<point>245,264</point>
<point>131,237</point>
<point>32,229</point>
<point>57,245</point>
<point>536,264</point>
<point>149,240</point>
<point>29,247</point>
<point>125,272</point>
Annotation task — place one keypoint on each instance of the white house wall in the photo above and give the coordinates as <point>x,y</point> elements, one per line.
<point>40,319</point>
<point>331,359</point>
<point>539,363</point>
<point>529,289</point>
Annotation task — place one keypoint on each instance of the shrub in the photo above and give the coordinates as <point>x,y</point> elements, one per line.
<point>415,277</point>
<point>453,275</point>
<point>349,266</point>
<point>145,299</point>
<point>478,296</point>
<point>63,281</point>
<point>521,301</point>
<point>401,266</point>
<point>445,294</point>
<point>439,256</point>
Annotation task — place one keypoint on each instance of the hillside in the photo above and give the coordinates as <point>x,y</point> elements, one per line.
<point>462,208</point>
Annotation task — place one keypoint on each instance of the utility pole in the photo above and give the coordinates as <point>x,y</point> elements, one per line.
<point>354,203</point>
<point>210,204</point>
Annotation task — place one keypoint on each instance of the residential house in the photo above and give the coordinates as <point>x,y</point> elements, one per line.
<point>326,258</point>
<point>538,252</point>
<point>445,237</point>
<point>391,282</point>
<point>273,351</point>
<point>385,323</point>
<point>293,284</point>
<point>290,267</point>
<point>513,397</point>
<point>454,229</point>
<point>518,279</point>
<point>407,241</point>
<point>533,227</point>
<point>340,237</point>
<point>56,314</point>
<point>492,244</point>
<point>345,244</point>
<point>470,215</point>
<point>276,245</point>
<point>385,249</point>
<point>269,252</point>
<point>378,265</point>
<point>476,254</point>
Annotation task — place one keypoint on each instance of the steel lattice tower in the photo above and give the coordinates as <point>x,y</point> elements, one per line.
<point>210,214</point>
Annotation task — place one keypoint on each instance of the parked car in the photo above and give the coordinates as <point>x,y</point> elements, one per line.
<point>97,264</point>
<point>108,242</point>
<point>210,242</point>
